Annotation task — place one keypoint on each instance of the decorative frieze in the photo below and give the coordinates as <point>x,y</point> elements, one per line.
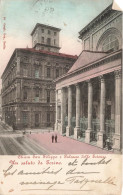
<point>112,15</point>
<point>117,74</point>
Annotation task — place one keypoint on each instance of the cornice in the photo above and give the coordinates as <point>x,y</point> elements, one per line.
<point>111,57</point>
<point>98,24</point>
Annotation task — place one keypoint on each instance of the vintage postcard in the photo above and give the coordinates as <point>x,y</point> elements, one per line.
<point>61,97</point>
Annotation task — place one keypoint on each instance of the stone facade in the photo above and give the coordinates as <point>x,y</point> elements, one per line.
<point>109,22</point>
<point>89,95</point>
<point>28,91</point>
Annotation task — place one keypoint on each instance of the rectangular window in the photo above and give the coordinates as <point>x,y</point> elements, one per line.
<point>54,33</point>
<point>42,30</point>
<point>49,32</point>
<point>48,72</point>
<point>48,96</point>
<point>48,41</point>
<point>25,72</point>
<point>36,73</point>
<point>25,94</point>
<point>37,95</point>
<point>42,39</point>
<point>57,73</point>
<point>48,117</point>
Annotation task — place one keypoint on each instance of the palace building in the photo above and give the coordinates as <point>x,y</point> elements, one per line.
<point>28,91</point>
<point>88,96</point>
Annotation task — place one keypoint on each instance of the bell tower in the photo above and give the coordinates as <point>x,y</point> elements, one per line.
<point>45,37</point>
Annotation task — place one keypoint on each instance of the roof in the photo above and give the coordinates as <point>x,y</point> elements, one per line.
<point>85,58</point>
<point>50,53</point>
<point>45,26</point>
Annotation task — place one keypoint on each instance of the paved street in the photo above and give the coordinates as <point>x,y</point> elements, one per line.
<point>39,142</point>
<point>65,145</point>
<point>17,144</point>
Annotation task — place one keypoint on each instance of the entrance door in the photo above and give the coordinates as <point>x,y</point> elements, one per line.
<point>36,120</point>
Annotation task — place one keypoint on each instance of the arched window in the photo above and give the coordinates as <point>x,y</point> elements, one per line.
<point>110,43</point>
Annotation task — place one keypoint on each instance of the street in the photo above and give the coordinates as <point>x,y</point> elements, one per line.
<point>40,142</point>
<point>19,145</point>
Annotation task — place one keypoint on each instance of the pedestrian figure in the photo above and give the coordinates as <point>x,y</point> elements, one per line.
<point>52,138</point>
<point>56,138</point>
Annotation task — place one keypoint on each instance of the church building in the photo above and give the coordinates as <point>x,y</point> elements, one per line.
<point>88,96</point>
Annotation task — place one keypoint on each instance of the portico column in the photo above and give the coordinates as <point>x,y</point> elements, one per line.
<point>77,128</point>
<point>63,109</point>
<point>68,128</point>
<point>100,140</point>
<point>56,122</point>
<point>90,101</point>
<point>116,137</point>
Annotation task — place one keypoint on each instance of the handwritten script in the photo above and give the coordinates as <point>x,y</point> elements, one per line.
<point>80,173</point>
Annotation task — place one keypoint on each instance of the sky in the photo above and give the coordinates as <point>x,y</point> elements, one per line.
<point>19,17</point>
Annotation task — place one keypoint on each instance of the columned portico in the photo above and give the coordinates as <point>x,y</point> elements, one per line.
<point>77,128</point>
<point>117,136</point>
<point>90,101</point>
<point>68,128</point>
<point>100,141</point>
<point>93,106</point>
